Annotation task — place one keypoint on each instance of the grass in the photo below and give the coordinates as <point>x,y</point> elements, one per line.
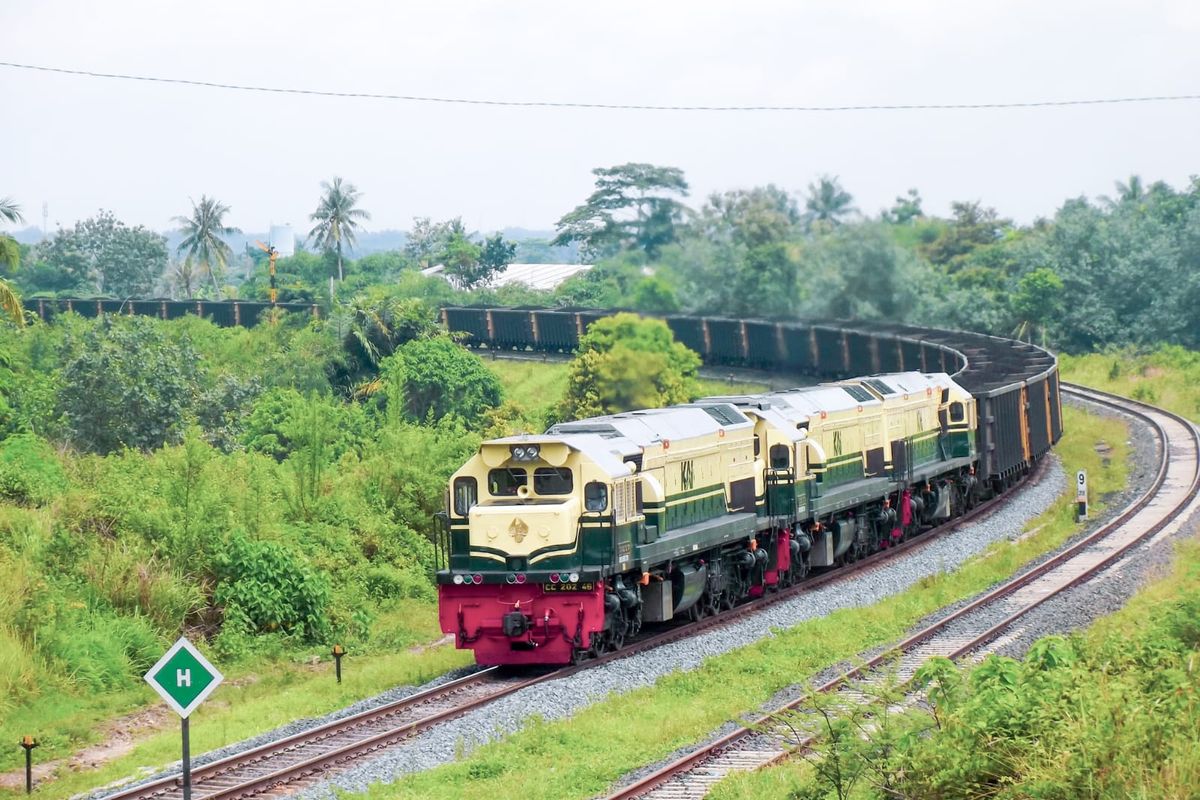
<point>581,756</point>
<point>1115,647</point>
<point>251,701</point>
<point>1168,377</point>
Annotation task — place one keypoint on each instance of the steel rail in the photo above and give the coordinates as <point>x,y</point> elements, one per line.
<point>1183,496</point>
<point>211,776</point>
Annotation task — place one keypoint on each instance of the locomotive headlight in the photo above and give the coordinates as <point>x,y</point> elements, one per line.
<point>458,579</point>
<point>574,577</point>
<point>525,452</point>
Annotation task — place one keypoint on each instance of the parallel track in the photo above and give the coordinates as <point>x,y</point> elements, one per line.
<point>1171,498</point>
<point>274,769</point>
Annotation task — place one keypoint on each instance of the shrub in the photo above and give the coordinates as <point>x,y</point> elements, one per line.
<point>272,588</point>
<point>30,473</point>
<point>432,378</point>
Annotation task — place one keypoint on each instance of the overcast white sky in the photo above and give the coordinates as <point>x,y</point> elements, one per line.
<point>142,150</point>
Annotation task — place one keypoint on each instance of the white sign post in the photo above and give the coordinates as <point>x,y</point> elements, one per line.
<point>1081,496</point>
<point>184,678</point>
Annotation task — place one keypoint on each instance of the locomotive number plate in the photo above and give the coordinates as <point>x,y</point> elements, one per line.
<point>568,587</point>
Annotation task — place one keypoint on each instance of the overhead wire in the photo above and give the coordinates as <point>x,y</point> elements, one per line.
<point>552,104</point>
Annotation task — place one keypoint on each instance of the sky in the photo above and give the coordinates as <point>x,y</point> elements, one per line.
<point>143,150</point>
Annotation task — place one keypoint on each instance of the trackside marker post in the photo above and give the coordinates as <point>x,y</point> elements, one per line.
<point>338,652</point>
<point>1081,496</point>
<point>28,742</point>
<point>184,678</point>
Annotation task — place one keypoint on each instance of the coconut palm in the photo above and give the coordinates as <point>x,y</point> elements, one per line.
<point>202,233</point>
<point>828,202</point>
<point>10,255</point>
<point>337,218</point>
<point>9,210</point>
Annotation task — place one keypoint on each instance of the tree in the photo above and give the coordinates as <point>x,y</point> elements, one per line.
<point>1039,293</point>
<point>460,256</point>
<point>474,265</point>
<point>337,217</point>
<point>10,210</point>
<point>429,379</point>
<point>973,226</point>
<point>125,383</point>
<point>746,257</point>
<point>371,329</point>
<point>427,239</point>
<point>202,234</point>
<point>828,204</point>
<point>905,210</point>
<point>627,362</point>
<point>107,256</point>
<point>632,207</point>
<point>10,256</point>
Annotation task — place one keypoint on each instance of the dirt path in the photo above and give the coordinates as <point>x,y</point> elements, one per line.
<point>118,738</point>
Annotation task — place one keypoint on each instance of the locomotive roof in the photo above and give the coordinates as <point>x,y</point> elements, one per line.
<point>649,427</point>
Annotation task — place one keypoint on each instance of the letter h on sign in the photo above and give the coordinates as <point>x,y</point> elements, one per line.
<point>183,677</point>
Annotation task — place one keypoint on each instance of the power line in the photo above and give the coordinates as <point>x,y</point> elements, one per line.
<point>606,106</point>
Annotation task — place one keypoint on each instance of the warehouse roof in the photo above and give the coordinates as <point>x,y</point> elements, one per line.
<point>537,276</point>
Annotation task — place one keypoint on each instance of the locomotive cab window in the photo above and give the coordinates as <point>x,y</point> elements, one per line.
<point>505,481</point>
<point>958,412</point>
<point>466,494</point>
<point>552,480</point>
<point>779,456</point>
<point>595,496</point>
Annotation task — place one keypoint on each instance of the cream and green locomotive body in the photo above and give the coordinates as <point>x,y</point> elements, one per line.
<point>568,542</point>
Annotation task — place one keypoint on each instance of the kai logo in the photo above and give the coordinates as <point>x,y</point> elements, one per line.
<point>837,443</point>
<point>687,475</point>
<point>518,530</point>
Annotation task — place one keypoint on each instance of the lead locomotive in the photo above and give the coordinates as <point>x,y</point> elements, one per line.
<point>566,544</point>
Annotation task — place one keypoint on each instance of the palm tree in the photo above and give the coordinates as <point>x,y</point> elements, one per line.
<point>10,255</point>
<point>202,234</point>
<point>9,210</point>
<point>337,218</point>
<point>1132,192</point>
<point>828,202</point>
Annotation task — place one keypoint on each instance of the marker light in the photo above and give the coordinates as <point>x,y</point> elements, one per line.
<point>458,579</point>
<point>520,578</point>
<point>477,578</point>
<point>574,577</point>
<point>510,578</point>
<point>554,577</point>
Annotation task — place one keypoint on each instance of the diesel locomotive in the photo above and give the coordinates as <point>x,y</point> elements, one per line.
<point>566,544</point>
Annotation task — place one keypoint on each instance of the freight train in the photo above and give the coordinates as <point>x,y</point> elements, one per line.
<point>564,545</point>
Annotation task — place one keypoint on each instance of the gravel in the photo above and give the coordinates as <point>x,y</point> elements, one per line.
<point>562,698</point>
<point>1105,593</point>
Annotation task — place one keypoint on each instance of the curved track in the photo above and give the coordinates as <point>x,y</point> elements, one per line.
<point>1171,498</point>
<point>275,768</point>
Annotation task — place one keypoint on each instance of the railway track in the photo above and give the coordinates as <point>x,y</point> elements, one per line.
<point>277,768</point>
<point>1165,505</point>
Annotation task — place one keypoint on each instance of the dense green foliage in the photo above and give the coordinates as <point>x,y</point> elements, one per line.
<point>434,377</point>
<point>1108,713</point>
<point>166,476</point>
<point>1097,273</point>
<point>102,255</point>
<point>627,362</point>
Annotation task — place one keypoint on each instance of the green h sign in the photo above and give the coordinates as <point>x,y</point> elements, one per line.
<point>183,677</point>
